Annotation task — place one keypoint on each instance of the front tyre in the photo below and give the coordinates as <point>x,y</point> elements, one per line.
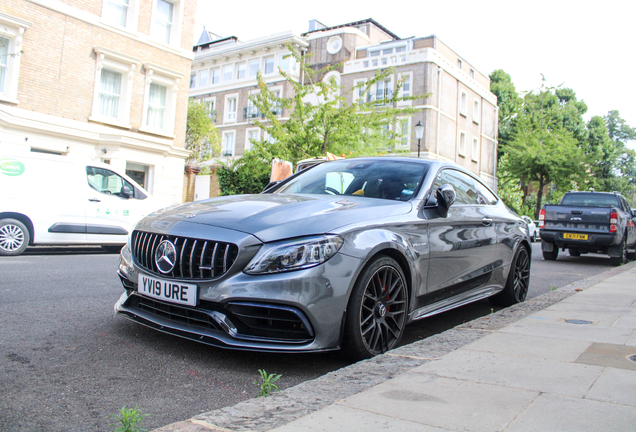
<point>14,237</point>
<point>377,310</point>
<point>518,282</point>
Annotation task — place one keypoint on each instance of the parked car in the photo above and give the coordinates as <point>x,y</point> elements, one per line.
<point>584,222</point>
<point>342,255</point>
<point>55,200</point>
<point>532,228</point>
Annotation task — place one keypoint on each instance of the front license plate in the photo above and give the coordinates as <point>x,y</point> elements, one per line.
<point>572,236</point>
<point>167,290</point>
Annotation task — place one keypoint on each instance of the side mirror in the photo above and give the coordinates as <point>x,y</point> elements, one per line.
<point>126,192</point>
<point>445,196</point>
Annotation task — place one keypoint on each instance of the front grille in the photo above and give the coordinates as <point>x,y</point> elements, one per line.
<point>179,314</point>
<point>195,258</point>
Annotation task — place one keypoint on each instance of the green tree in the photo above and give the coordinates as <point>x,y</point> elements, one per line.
<point>544,148</point>
<point>321,119</point>
<point>202,137</point>
<point>509,103</point>
<point>247,175</point>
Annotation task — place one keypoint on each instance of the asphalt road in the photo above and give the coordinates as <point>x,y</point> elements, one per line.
<point>67,362</point>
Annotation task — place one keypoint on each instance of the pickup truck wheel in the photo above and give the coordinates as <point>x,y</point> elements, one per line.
<point>14,237</point>
<point>518,281</point>
<point>551,256</point>
<point>631,256</point>
<point>574,252</point>
<point>622,259</point>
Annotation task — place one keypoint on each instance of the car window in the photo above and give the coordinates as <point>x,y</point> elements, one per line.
<point>464,185</point>
<point>589,200</point>
<point>390,179</point>
<point>106,181</point>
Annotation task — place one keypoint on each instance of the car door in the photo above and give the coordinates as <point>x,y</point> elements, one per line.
<point>110,214</point>
<point>463,244</point>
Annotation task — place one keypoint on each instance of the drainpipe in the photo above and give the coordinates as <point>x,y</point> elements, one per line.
<point>439,109</point>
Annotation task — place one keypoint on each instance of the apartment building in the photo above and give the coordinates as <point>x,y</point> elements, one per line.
<point>459,116</point>
<point>223,77</point>
<point>105,80</point>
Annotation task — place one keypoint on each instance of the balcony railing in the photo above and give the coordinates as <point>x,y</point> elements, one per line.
<point>251,112</point>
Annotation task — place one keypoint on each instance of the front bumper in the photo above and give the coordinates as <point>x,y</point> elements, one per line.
<point>298,311</point>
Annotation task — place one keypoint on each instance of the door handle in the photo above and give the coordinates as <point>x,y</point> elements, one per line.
<point>486,221</point>
<point>94,200</point>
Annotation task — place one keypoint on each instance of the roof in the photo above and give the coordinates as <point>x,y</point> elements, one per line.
<point>355,24</point>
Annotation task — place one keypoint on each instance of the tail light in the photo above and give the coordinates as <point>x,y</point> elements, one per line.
<point>613,222</point>
<point>542,218</point>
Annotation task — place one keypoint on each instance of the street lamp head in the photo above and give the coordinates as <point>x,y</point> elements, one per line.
<point>419,130</point>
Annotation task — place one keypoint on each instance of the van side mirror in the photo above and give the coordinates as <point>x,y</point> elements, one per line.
<point>445,196</point>
<point>126,192</point>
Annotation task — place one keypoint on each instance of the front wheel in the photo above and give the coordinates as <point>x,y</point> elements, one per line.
<point>518,282</point>
<point>14,237</point>
<point>377,310</point>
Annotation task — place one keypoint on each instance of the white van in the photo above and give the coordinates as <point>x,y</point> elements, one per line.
<point>51,200</point>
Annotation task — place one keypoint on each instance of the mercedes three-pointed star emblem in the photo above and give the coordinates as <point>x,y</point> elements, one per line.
<point>165,256</point>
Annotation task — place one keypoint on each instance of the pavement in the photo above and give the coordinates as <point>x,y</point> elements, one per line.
<point>562,361</point>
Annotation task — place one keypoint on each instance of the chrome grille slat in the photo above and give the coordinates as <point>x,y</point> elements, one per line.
<point>196,258</point>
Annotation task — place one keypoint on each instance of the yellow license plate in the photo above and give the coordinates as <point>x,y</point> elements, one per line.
<point>572,236</point>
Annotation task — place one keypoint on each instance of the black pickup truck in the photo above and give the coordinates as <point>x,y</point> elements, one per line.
<point>584,222</point>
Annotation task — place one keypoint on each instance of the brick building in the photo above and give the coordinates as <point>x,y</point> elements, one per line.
<point>459,116</point>
<point>99,79</point>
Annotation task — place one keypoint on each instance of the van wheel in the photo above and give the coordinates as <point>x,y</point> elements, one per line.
<point>14,237</point>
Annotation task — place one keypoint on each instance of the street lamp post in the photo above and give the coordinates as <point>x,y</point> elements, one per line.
<point>419,132</point>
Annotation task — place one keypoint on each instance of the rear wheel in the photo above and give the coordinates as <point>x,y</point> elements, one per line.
<point>622,259</point>
<point>518,282</point>
<point>551,256</point>
<point>377,310</point>
<point>14,237</point>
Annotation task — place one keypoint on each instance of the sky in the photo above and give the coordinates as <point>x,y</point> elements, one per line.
<point>588,46</point>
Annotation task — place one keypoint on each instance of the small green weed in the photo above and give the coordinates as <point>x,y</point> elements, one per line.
<point>129,420</point>
<point>553,288</point>
<point>268,383</point>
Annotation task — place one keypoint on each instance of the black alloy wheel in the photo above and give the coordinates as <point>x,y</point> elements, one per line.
<point>377,311</point>
<point>518,282</point>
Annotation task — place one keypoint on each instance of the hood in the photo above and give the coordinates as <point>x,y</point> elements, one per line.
<point>272,217</point>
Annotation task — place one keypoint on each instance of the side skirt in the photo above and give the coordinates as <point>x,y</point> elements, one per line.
<point>453,302</point>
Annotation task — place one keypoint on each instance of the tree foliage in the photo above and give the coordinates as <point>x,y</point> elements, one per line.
<point>509,103</point>
<point>247,175</point>
<point>321,119</point>
<point>202,137</point>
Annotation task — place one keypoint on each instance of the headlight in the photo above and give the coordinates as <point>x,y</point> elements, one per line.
<point>294,254</point>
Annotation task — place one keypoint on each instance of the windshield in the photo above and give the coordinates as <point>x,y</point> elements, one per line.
<point>390,179</point>
<point>590,200</point>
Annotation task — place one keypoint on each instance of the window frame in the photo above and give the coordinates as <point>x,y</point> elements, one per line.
<point>12,29</point>
<point>249,67</point>
<point>170,79</point>
<point>174,40</point>
<point>461,142</point>
<point>476,110</point>
<point>474,151</point>
<point>132,15</point>
<point>463,103</point>
<point>248,145</point>
<point>227,118</point>
<point>224,136</point>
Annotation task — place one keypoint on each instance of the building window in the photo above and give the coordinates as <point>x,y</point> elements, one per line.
<point>215,76</point>
<point>230,109</point>
<point>227,73</point>
<point>383,91</point>
<point>193,80</point>
<point>476,115</point>
<point>160,99</point>
<point>463,104</point>
<point>459,64</point>
<point>286,62</point>
<point>269,65</point>
<point>157,101</point>
<point>253,68</point>
<point>163,22</point>
<point>472,73</point>
<point>113,86</point>
<point>404,128</point>
<point>228,143</point>
<point>110,93</point>
<point>210,104</point>
<point>121,13</point>
<point>251,135</point>
<point>11,33</point>
<point>240,71</point>
<point>475,150</point>
<point>360,88</point>
<point>203,78</point>
<point>407,87</point>
<point>462,144</point>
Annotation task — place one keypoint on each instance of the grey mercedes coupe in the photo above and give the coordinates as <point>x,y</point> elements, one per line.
<point>339,256</point>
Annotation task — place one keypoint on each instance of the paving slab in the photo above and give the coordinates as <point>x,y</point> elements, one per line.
<point>443,402</point>
<point>563,330</point>
<point>565,414</point>
<point>353,419</point>
<point>530,346</point>
<point>518,372</point>
<point>609,355</point>
<point>615,385</point>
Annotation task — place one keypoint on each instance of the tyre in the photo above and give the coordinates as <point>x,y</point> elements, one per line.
<point>14,237</point>
<point>518,282</point>
<point>377,310</point>
<point>622,259</point>
<point>574,252</point>
<point>551,256</point>
<point>631,256</point>
<point>533,238</point>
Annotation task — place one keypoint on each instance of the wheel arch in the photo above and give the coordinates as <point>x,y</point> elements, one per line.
<point>22,218</point>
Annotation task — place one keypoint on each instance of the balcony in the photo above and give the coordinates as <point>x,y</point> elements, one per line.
<point>252,112</point>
